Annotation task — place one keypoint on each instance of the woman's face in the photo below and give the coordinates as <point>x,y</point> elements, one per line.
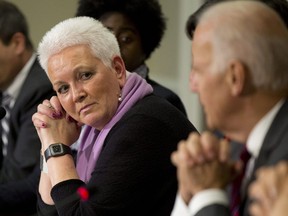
<point>87,89</point>
<point>128,38</point>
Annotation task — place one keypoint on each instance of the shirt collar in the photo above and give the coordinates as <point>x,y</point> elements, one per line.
<point>14,89</point>
<point>142,71</point>
<point>257,135</point>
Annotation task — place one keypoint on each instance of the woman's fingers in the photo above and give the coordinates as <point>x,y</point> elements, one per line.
<point>39,120</point>
<point>54,101</point>
<point>51,108</point>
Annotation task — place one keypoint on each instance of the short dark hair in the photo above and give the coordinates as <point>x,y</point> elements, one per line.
<point>12,21</point>
<point>145,14</point>
<point>280,6</point>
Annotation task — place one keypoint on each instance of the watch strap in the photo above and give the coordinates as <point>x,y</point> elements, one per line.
<point>56,150</point>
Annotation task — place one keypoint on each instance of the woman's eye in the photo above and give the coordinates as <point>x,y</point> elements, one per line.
<point>85,76</point>
<point>62,89</point>
<point>125,39</point>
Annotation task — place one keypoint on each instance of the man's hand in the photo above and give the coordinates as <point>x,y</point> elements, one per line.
<point>203,162</point>
<point>269,192</point>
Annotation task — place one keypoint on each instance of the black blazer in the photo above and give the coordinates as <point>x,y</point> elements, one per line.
<point>273,150</point>
<point>166,93</point>
<point>134,175</point>
<point>23,142</point>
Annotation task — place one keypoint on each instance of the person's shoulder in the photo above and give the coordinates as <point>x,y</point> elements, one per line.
<point>38,75</point>
<point>280,122</point>
<point>168,94</point>
<point>37,69</point>
<point>274,147</point>
<point>157,107</point>
<point>154,102</point>
<point>161,90</point>
<point>36,85</point>
<point>157,113</point>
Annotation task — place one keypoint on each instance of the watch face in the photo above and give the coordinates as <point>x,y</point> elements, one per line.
<point>56,149</point>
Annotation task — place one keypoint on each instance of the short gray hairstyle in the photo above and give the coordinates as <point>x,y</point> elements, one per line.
<point>79,31</point>
<point>254,34</point>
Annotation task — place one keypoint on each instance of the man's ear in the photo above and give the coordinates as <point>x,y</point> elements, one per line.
<point>236,77</point>
<point>119,66</point>
<point>18,40</point>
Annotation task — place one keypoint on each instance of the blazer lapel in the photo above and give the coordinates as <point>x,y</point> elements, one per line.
<point>274,135</point>
<point>272,140</point>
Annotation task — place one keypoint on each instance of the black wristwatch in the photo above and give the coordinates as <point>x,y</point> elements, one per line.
<point>56,150</point>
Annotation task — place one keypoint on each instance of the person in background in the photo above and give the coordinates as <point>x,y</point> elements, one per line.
<point>23,85</point>
<point>269,191</point>
<point>239,71</point>
<point>139,26</point>
<point>123,164</point>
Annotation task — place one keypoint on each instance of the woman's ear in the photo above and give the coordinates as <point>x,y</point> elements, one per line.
<point>236,77</point>
<point>119,66</point>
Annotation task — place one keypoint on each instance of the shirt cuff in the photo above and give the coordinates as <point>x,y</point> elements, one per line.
<point>206,198</point>
<point>180,207</point>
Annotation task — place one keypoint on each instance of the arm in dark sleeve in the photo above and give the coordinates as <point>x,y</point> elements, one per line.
<point>133,170</point>
<point>214,210</point>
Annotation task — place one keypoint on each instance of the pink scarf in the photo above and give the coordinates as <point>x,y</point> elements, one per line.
<point>92,140</point>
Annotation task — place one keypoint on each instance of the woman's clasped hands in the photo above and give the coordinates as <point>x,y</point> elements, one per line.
<point>54,125</point>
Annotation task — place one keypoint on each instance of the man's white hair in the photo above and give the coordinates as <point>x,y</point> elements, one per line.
<point>79,31</point>
<point>253,33</point>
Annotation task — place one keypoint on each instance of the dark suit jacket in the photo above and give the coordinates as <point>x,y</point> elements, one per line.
<point>23,142</point>
<point>273,150</point>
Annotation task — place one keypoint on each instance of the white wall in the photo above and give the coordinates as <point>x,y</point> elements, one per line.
<point>44,14</point>
<point>169,65</point>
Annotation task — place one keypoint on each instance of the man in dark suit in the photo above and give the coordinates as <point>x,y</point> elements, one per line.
<point>23,85</point>
<point>239,70</point>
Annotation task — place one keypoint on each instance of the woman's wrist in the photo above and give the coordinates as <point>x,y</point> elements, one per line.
<point>43,164</point>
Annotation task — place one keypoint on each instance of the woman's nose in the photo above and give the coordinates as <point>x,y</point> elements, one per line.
<point>78,95</point>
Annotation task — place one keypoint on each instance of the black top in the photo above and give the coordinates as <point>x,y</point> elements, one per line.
<point>133,175</point>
